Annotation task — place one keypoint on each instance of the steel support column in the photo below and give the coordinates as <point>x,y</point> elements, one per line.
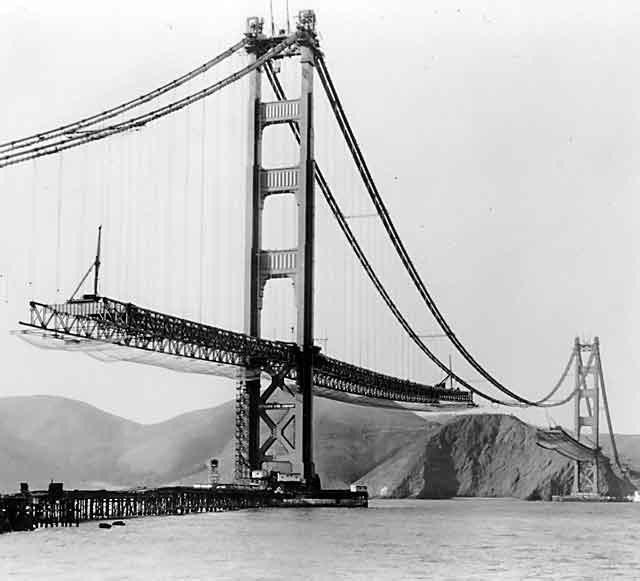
<point>290,441</point>
<point>248,395</point>
<point>304,279</point>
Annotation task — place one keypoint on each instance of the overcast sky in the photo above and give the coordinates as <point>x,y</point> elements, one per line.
<point>503,135</point>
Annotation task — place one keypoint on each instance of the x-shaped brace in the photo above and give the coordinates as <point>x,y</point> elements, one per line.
<point>279,427</point>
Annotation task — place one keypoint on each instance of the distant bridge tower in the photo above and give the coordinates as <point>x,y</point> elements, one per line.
<point>589,388</point>
<point>587,414</point>
<point>286,413</point>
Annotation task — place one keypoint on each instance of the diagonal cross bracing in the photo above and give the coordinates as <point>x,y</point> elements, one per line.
<point>127,325</point>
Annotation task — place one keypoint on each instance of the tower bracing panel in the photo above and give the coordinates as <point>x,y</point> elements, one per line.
<point>279,181</point>
<point>280,112</point>
<point>278,263</point>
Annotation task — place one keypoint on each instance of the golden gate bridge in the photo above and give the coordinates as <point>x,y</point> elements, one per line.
<point>277,377</point>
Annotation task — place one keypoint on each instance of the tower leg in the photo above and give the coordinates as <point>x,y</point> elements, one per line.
<point>305,282</point>
<point>253,393</point>
<point>285,410</point>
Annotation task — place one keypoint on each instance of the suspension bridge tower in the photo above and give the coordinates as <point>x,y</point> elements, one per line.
<point>589,389</point>
<point>586,414</point>
<point>285,410</point>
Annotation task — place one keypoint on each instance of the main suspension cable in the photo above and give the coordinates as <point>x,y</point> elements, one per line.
<point>364,261</point>
<point>396,240</point>
<point>142,120</point>
<point>606,408</point>
<point>71,128</point>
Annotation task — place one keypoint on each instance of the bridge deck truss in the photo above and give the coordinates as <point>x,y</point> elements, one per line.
<point>102,321</point>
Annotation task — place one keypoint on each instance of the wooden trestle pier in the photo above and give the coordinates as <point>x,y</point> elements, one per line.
<point>57,507</point>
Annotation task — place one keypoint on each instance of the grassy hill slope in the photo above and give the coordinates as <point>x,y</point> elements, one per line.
<point>396,453</point>
<point>45,437</point>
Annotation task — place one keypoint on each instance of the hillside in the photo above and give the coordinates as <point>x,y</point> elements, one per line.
<point>396,453</point>
<point>60,436</point>
<point>45,437</point>
<point>629,452</point>
<point>480,455</point>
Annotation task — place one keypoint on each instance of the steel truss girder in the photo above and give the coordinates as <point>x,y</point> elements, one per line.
<point>128,325</point>
<point>340,376</point>
<point>125,324</point>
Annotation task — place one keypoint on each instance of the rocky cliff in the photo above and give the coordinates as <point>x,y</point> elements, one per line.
<point>481,455</point>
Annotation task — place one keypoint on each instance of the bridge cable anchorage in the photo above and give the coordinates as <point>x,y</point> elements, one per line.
<point>137,122</point>
<point>71,128</point>
<point>385,217</point>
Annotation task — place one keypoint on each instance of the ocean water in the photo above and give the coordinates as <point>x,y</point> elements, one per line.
<point>395,539</point>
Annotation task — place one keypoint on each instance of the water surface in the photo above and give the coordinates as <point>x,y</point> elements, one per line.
<point>399,539</point>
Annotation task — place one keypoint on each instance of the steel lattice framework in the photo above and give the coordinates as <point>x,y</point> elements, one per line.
<point>110,321</point>
<point>297,370</point>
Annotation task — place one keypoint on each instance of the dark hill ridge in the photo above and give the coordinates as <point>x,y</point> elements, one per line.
<point>396,453</point>
<point>481,455</point>
<point>629,452</point>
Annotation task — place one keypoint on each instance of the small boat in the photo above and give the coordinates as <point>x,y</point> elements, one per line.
<point>104,525</point>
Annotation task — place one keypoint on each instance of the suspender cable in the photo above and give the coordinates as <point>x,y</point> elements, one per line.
<point>142,120</point>
<point>32,247</point>
<point>395,237</point>
<point>353,242</point>
<point>83,206</point>
<point>203,137</point>
<point>606,407</point>
<point>59,224</point>
<point>122,108</point>
<point>185,213</point>
<point>122,213</point>
<point>170,252</point>
<point>351,238</point>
